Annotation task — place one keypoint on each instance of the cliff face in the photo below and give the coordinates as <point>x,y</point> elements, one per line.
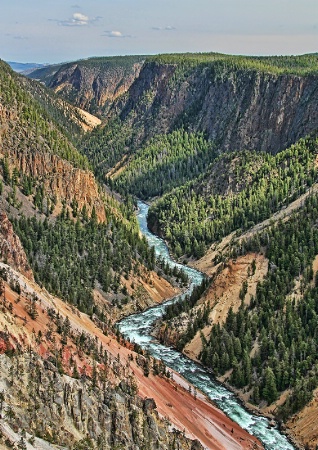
<point>237,109</point>
<point>65,410</point>
<point>11,250</point>
<point>93,87</point>
<point>33,145</point>
<point>71,384</point>
<point>60,179</point>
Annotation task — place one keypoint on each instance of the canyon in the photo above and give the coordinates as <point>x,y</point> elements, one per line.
<point>222,128</point>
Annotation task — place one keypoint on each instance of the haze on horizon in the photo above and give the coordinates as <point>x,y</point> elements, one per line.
<point>64,30</point>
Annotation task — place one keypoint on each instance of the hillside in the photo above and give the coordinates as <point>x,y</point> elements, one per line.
<point>238,103</point>
<point>68,381</point>
<point>92,84</point>
<point>25,121</point>
<point>81,243</point>
<point>237,191</point>
<point>255,324</point>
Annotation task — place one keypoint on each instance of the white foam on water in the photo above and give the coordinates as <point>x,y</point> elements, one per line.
<point>137,328</point>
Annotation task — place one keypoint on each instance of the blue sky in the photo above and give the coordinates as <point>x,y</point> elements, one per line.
<point>63,30</point>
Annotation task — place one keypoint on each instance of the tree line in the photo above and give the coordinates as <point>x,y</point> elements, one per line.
<point>270,344</point>
<point>199,213</point>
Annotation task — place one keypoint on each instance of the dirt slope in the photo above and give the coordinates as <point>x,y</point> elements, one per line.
<point>198,417</point>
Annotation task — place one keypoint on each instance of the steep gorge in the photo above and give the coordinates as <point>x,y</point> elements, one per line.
<point>238,109</point>
<point>92,84</point>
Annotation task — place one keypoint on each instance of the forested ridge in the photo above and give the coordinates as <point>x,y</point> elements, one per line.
<point>270,344</point>
<point>298,65</point>
<point>166,162</point>
<point>72,258</point>
<point>194,216</point>
<point>32,128</point>
<point>280,326</point>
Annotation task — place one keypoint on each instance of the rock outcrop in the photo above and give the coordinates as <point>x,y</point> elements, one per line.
<point>60,179</point>
<point>93,85</point>
<point>63,410</point>
<point>238,109</point>
<point>11,250</point>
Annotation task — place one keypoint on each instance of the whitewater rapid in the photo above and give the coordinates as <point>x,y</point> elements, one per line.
<point>138,328</point>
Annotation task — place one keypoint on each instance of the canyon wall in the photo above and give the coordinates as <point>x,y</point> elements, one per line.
<point>238,109</point>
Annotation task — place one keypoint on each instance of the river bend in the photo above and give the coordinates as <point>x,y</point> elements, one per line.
<point>138,328</point>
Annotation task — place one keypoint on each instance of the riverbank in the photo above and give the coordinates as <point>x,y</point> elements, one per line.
<point>225,294</point>
<point>138,328</point>
<point>241,398</point>
<point>167,397</point>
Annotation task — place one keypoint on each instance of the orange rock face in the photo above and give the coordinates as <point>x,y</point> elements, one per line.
<point>60,179</point>
<point>11,250</point>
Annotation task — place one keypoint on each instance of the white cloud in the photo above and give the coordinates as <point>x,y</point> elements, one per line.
<point>81,18</point>
<point>116,34</point>
<point>77,20</point>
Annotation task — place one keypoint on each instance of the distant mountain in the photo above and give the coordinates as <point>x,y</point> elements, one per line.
<point>24,67</point>
<point>44,74</point>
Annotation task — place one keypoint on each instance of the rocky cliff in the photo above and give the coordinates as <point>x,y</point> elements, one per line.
<point>60,180</point>
<point>237,108</point>
<point>11,250</point>
<point>95,83</point>
<point>64,410</point>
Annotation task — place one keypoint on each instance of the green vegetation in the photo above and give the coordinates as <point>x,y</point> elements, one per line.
<point>298,65</point>
<point>71,258</point>
<point>32,127</point>
<point>107,145</point>
<point>203,211</point>
<point>281,328</point>
<point>166,162</point>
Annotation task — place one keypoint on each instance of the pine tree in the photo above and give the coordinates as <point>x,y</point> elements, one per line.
<point>270,389</point>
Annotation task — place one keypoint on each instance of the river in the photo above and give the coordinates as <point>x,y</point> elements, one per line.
<point>138,328</point>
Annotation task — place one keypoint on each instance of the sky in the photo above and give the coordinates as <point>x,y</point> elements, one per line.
<point>52,31</point>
